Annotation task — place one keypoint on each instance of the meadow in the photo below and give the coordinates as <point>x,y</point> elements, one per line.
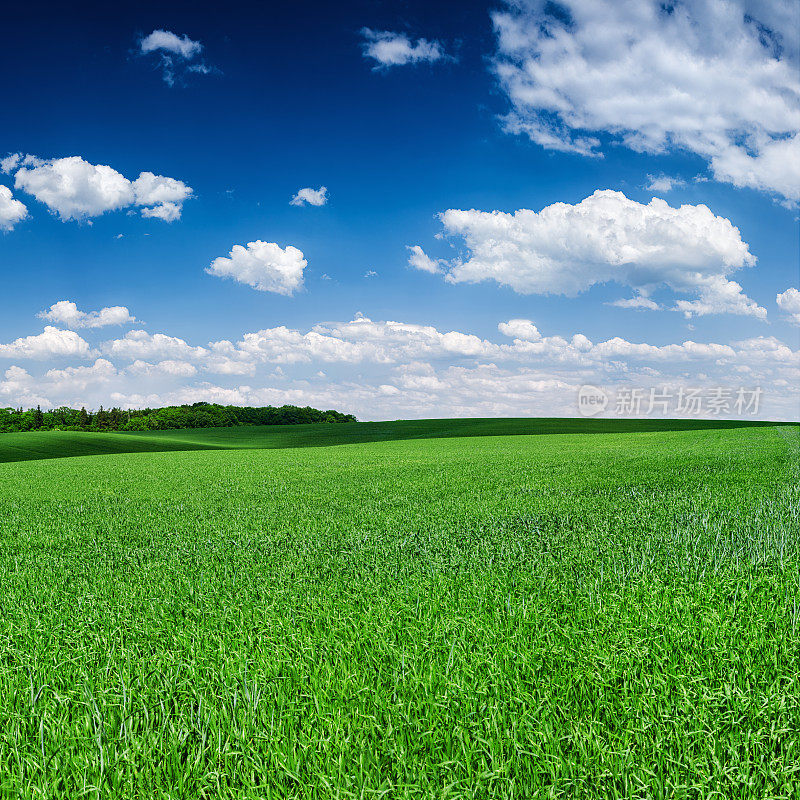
<point>460,609</point>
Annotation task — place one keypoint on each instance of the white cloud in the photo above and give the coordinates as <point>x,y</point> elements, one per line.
<point>181,46</point>
<point>418,259</point>
<point>370,273</point>
<point>19,388</point>
<point>142,345</point>
<point>408,370</point>
<point>789,301</point>
<point>390,49</point>
<point>638,303</point>
<point>174,52</point>
<point>79,378</point>
<point>75,189</point>
<point>522,329</point>
<point>718,78</point>
<point>663,183</point>
<point>10,162</point>
<point>263,265</point>
<point>309,196</point>
<point>164,196</point>
<point>66,313</point>
<point>51,343</point>
<point>181,369</point>
<point>721,296</point>
<point>168,212</point>
<point>11,211</point>
<point>566,249</point>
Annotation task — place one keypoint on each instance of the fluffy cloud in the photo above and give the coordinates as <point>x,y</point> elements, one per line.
<point>721,296</point>
<point>164,197</point>
<point>174,54</point>
<point>10,162</point>
<point>419,259</point>
<point>789,301</point>
<point>142,345</point>
<point>566,249</point>
<point>80,378</point>
<point>263,265</point>
<point>11,211</point>
<point>360,340</point>
<point>718,78</point>
<point>76,189</point>
<point>51,343</point>
<point>311,197</point>
<point>390,49</point>
<point>66,313</point>
<point>168,212</point>
<point>522,329</point>
<point>386,369</point>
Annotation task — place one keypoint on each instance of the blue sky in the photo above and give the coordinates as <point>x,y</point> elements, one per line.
<point>402,111</point>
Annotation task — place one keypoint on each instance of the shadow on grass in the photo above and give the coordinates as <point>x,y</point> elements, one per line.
<point>61,444</point>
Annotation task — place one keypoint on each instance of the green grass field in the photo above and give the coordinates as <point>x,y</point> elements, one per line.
<point>560,615</point>
<point>59,444</point>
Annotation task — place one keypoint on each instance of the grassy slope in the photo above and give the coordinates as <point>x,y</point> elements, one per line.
<point>545,616</point>
<point>57,444</point>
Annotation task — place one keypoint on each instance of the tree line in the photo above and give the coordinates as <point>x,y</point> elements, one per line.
<point>197,415</point>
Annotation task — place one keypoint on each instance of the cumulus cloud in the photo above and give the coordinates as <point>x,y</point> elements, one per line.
<point>405,370</point>
<point>139,344</point>
<point>522,329</point>
<point>418,259</point>
<point>388,49</point>
<point>66,313</point>
<point>721,296</point>
<point>11,211</point>
<point>789,301</point>
<point>718,78</point>
<point>418,370</point>
<point>311,197</point>
<point>174,54</point>
<point>168,212</point>
<point>76,189</point>
<point>51,343</point>
<point>265,266</point>
<point>80,378</point>
<point>566,249</point>
<point>164,197</point>
<point>10,162</point>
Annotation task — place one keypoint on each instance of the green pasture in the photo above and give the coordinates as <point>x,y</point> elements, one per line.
<point>454,609</point>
